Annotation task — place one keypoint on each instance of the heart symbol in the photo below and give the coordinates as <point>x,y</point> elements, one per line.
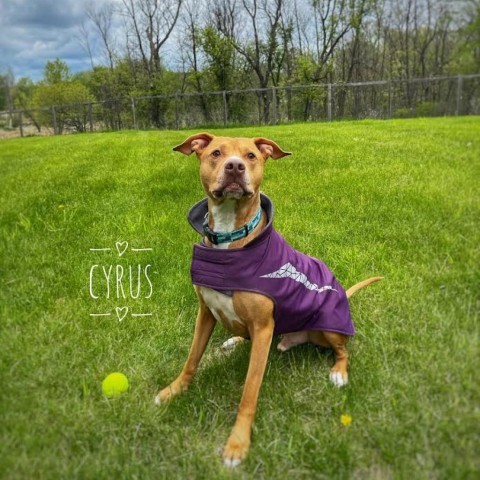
<point>121,247</point>
<point>121,312</point>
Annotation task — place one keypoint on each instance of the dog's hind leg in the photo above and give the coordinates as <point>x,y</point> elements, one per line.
<point>290,340</point>
<point>338,373</point>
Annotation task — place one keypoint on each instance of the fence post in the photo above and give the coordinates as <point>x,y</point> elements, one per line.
<point>134,114</point>
<point>54,120</point>
<point>329,102</point>
<point>177,112</point>
<point>90,117</point>
<point>118,113</point>
<point>458,109</point>
<point>274,106</point>
<point>20,122</point>
<point>225,108</point>
<point>389,99</point>
<point>289,103</point>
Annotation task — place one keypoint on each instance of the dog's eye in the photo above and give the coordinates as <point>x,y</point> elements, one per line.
<point>216,153</point>
<point>251,156</point>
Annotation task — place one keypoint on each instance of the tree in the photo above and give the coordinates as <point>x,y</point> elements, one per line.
<point>149,24</point>
<point>23,98</point>
<point>4,89</point>
<point>333,21</point>
<point>262,46</point>
<point>468,49</point>
<point>55,72</point>
<point>191,52</point>
<point>68,97</point>
<point>220,55</point>
<point>218,37</point>
<point>102,17</point>
<point>7,83</point>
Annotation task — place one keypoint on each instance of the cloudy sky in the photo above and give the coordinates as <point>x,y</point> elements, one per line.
<point>35,31</point>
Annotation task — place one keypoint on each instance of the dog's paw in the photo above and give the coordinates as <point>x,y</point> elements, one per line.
<point>231,462</point>
<point>339,379</point>
<point>162,397</point>
<point>235,451</point>
<point>283,346</point>
<point>169,392</point>
<point>290,340</point>
<point>231,343</point>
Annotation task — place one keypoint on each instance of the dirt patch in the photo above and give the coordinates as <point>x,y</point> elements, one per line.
<point>27,132</point>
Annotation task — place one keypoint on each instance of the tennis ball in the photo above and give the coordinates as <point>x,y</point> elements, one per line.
<point>114,385</point>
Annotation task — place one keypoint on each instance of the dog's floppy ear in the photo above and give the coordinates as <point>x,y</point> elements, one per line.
<point>268,148</point>
<point>195,143</point>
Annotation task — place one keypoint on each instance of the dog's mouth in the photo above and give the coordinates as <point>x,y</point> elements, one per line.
<point>235,189</point>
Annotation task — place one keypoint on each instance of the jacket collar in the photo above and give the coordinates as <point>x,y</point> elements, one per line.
<point>196,216</point>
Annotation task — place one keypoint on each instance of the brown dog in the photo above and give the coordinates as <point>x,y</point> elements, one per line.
<point>231,172</point>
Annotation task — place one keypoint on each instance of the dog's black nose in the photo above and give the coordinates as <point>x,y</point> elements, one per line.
<point>235,166</point>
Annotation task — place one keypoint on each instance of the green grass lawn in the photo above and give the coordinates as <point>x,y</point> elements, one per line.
<point>393,198</point>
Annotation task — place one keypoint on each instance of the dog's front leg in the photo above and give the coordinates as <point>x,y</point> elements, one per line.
<point>203,331</point>
<point>239,441</point>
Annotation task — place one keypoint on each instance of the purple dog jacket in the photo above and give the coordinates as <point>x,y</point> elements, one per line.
<point>305,292</point>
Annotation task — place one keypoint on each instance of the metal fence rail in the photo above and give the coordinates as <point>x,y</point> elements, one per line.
<point>436,96</point>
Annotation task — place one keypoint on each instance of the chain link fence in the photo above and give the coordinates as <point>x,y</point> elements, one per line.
<point>424,97</point>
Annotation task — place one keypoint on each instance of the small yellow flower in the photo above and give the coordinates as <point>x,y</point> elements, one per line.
<point>346,420</point>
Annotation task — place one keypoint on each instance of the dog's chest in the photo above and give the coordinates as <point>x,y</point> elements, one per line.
<point>222,309</point>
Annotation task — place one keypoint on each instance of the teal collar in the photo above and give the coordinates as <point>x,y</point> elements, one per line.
<point>228,237</point>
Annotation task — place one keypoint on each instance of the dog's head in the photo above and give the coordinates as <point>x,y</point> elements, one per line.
<point>230,167</point>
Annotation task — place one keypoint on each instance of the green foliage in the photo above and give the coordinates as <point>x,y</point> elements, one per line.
<point>403,113</point>
<point>56,72</point>
<point>220,53</point>
<point>24,91</point>
<point>426,109</point>
<point>65,93</point>
<point>304,70</point>
<point>7,84</point>
<point>467,58</point>
<point>58,89</point>
<point>68,97</point>
<point>3,92</point>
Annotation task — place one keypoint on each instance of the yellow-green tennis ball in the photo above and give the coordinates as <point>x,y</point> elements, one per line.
<point>114,385</point>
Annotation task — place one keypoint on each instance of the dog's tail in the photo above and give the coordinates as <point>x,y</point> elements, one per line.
<point>358,286</point>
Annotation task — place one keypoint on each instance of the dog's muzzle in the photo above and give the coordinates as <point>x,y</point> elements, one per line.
<point>234,182</point>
